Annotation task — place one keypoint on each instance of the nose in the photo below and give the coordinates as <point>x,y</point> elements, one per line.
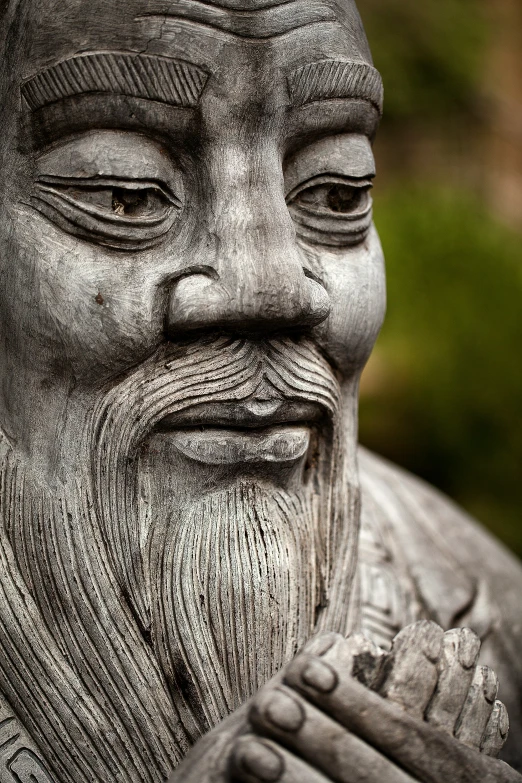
<point>254,278</point>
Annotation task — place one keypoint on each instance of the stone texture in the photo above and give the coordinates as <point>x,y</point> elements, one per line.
<point>191,286</point>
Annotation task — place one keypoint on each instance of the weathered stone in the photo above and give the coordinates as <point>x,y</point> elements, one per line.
<point>191,286</point>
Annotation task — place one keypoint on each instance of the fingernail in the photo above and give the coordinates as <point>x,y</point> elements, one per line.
<point>319,676</point>
<point>283,711</point>
<point>259,761</point>
<point>450,643</point>
<point>503,720</point>
<point>469,648</point>
<point>489,684</point>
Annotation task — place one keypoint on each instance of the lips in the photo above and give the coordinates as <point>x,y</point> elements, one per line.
<point>211,446</point>
<point>247,432</point>
<point>250,414</point>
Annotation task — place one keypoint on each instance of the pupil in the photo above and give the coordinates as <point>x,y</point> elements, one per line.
<point>342,198</point>
<point>128,202</point>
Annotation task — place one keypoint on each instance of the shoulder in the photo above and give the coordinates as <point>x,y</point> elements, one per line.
<point>427,522</point>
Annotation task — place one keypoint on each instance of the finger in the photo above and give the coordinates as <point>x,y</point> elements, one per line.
<point>478,707</point>
<point>428,754</point>
<point>412,674</point>
<point>497,731</point>
<point>256,760</point>
<point>311,735</point>
<point>356,655</point>
<point>456,668</point>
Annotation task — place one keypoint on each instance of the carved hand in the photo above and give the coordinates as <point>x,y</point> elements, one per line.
<point>344,711</point>
<point>435,719</point>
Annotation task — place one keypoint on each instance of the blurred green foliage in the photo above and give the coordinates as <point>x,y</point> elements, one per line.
<point>442,395</point>
<point>429,52</point>
<point>446,400</point>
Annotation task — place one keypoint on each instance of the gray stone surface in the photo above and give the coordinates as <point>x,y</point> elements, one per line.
<point>200,572</point>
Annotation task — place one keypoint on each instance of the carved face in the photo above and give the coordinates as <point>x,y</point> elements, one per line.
<point>191,286</point>
<point>182,171</point>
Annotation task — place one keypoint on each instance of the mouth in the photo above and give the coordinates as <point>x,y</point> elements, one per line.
<point>247,432</point>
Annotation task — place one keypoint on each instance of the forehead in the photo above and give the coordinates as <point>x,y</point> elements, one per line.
<point>247,60</point>
<point>206,33</point>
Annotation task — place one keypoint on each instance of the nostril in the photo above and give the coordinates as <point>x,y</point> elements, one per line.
<point>319,303</point>
<point>199,299</point>
<point>311,276</point>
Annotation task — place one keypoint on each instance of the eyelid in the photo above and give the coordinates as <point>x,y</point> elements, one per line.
<point>345,155</point>
<point>319,225</point>
<point>364,183</point>
<point>96,183</point>
<point>84,218</point>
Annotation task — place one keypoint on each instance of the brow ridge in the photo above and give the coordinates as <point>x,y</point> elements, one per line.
<point>326,79</point>
<point>164,79</point>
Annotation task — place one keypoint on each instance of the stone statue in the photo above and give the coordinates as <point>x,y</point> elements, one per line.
<point>199,569</point>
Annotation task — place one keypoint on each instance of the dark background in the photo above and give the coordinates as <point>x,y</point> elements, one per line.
<point>442,394</point>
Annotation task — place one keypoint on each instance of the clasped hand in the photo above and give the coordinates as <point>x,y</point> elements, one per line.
<point>344,711</point>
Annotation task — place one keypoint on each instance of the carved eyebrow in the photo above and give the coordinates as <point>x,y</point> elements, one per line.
<point>264,22</point>
<point>336,79</point>
<point>138,75</point>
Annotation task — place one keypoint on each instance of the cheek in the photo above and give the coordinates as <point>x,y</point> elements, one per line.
<point>92,310</point>
<point>355,280</point>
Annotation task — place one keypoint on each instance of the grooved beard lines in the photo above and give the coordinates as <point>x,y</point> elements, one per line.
<point>75,665</point>
<point>95,696</point>
<point>236,596</point>
<point>220,370</point>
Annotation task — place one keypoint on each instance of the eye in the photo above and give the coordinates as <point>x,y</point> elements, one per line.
<point>136,203</point>
<point>122,201</point>
<point>332,210</point>
<point>118,213</point>
<point>333,197</point>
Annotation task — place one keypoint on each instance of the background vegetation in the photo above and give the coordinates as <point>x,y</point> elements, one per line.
<point>443,393</point>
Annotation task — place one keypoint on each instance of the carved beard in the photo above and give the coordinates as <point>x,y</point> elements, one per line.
<point>235,593</point>
<point>75,653</point>
<point>209,667</point>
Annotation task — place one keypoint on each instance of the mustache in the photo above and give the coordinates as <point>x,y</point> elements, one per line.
<point>176,378</point>
<point>223,369</point>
